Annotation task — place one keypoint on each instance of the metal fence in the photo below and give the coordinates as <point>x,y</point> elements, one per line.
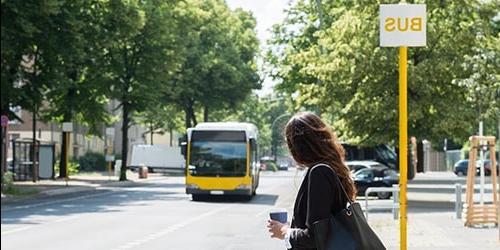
<point>394,206</point>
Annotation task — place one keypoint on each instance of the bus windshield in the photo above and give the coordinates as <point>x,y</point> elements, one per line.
<point>218,154</point>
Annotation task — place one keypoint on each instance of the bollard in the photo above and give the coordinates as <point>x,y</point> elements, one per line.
<point>118,164</point>
<point>458,200</point>
<point>395,199</point>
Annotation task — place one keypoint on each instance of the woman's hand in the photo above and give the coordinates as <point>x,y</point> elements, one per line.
<point>277,229</point>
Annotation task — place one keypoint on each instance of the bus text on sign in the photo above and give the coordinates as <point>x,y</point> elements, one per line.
<point>402,25</point>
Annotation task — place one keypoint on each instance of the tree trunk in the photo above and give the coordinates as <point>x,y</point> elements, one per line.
<point>152,133</point>
<point>64,149</point>
<point>62,163</point>
<point>193,115</point>
<point>2,158</point>
<point>190,115</point>
<point>187,118</point>
<point>205,113</point>
<point>33,147</point>
<point>172,139</point>
<point>123,169</point>
<point>4,138</point>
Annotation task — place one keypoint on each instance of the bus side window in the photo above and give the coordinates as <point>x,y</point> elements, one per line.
<point>183,145</point>
<point>253,152</point>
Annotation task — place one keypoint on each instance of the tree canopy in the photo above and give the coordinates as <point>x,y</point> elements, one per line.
<point>336,65</point>
<point>66,60</point>
<point>219,68</point>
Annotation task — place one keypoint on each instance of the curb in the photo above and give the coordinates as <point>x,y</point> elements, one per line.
<point>66,190</point>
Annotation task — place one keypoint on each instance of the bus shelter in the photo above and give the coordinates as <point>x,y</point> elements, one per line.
<point>32,160</point>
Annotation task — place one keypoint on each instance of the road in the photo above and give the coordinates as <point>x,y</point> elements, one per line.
<point>156,215</point>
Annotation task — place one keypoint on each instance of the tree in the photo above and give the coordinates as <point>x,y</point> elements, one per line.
<point>269,113</point>
<point>26,57</point>
<point>76,93</point>
<point>340,68</point>
<point>139,56</point>
<point>159,119</point>
<point>218,70</point>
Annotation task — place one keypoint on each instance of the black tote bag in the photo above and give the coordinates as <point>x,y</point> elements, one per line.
<point>346,230</point>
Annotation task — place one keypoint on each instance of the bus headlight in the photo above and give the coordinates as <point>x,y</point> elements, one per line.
<point>243,187</point>
<point>192,186</point>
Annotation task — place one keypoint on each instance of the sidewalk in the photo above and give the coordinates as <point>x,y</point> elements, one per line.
<point>434,230</point>
<point>84,182</point>
<point>431,217</point>
<point>439,187</point>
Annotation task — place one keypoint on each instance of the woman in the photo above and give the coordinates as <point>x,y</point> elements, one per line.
<point>311,142</point>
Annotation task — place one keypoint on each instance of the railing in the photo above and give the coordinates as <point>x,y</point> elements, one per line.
<point>395,198</point>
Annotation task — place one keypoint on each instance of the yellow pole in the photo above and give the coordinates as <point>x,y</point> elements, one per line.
<point>403,144</point>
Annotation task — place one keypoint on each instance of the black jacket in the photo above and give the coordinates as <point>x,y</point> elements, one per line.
<point>326,199</point>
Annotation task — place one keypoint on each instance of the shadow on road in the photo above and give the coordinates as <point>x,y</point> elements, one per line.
<point>96,201</point>
<point>261,199</point>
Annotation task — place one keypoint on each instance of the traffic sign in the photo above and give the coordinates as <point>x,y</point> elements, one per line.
<point>403,25</point>
<point>110,131</point>
<point>5,121</point>
<point>110,158</point>
<point>67,127</point>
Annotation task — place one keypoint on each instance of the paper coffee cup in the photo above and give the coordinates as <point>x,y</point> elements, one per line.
<point>279,215</point>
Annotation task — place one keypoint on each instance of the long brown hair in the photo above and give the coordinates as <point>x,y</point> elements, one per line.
<point>311,141</point>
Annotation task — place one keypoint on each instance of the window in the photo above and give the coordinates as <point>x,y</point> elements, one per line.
<point>364,174</point>
<point>221,159</point>
<point>218,154</point>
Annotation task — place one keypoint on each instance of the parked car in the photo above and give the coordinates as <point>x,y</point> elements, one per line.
<point>354,166</point>
<point>283,166</point>
<point>375,177</point>
<point>460,167</point>
<point>380,153</point>
<point>267,163</point>
<point>487,167</point>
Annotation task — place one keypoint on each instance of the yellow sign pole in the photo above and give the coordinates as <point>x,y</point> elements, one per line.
<point>403,144</point>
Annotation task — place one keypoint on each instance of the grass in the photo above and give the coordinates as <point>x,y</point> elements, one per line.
<point>14,191</point>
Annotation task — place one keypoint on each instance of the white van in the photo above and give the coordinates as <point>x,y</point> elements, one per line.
<point>156,157</point>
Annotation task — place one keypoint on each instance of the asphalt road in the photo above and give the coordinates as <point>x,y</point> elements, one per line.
<point>155,215</point>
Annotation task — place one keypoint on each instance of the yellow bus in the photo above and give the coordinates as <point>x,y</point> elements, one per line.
<point>222,159</point>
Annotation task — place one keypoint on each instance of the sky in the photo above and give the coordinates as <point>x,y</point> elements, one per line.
<point>267,13</point>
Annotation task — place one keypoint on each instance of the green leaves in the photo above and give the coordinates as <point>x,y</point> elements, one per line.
<point>218,68</point>
<point>340,69</point>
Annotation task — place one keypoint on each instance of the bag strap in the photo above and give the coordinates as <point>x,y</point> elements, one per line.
<point>336,177</point>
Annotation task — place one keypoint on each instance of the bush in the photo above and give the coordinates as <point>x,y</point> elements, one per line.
<point>73,167</point>
<point>271,166</point>
<point>8,181</point>
<point>92,161</point>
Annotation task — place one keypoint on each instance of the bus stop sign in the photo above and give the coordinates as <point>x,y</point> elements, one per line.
<point>402,25</point>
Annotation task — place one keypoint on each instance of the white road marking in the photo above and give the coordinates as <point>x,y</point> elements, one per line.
<point>107,190</point>
<point>68,218</point>
<point>54,202</point>
<point>19,229</point>
<point>16,230</point>
<point>171,229</point>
